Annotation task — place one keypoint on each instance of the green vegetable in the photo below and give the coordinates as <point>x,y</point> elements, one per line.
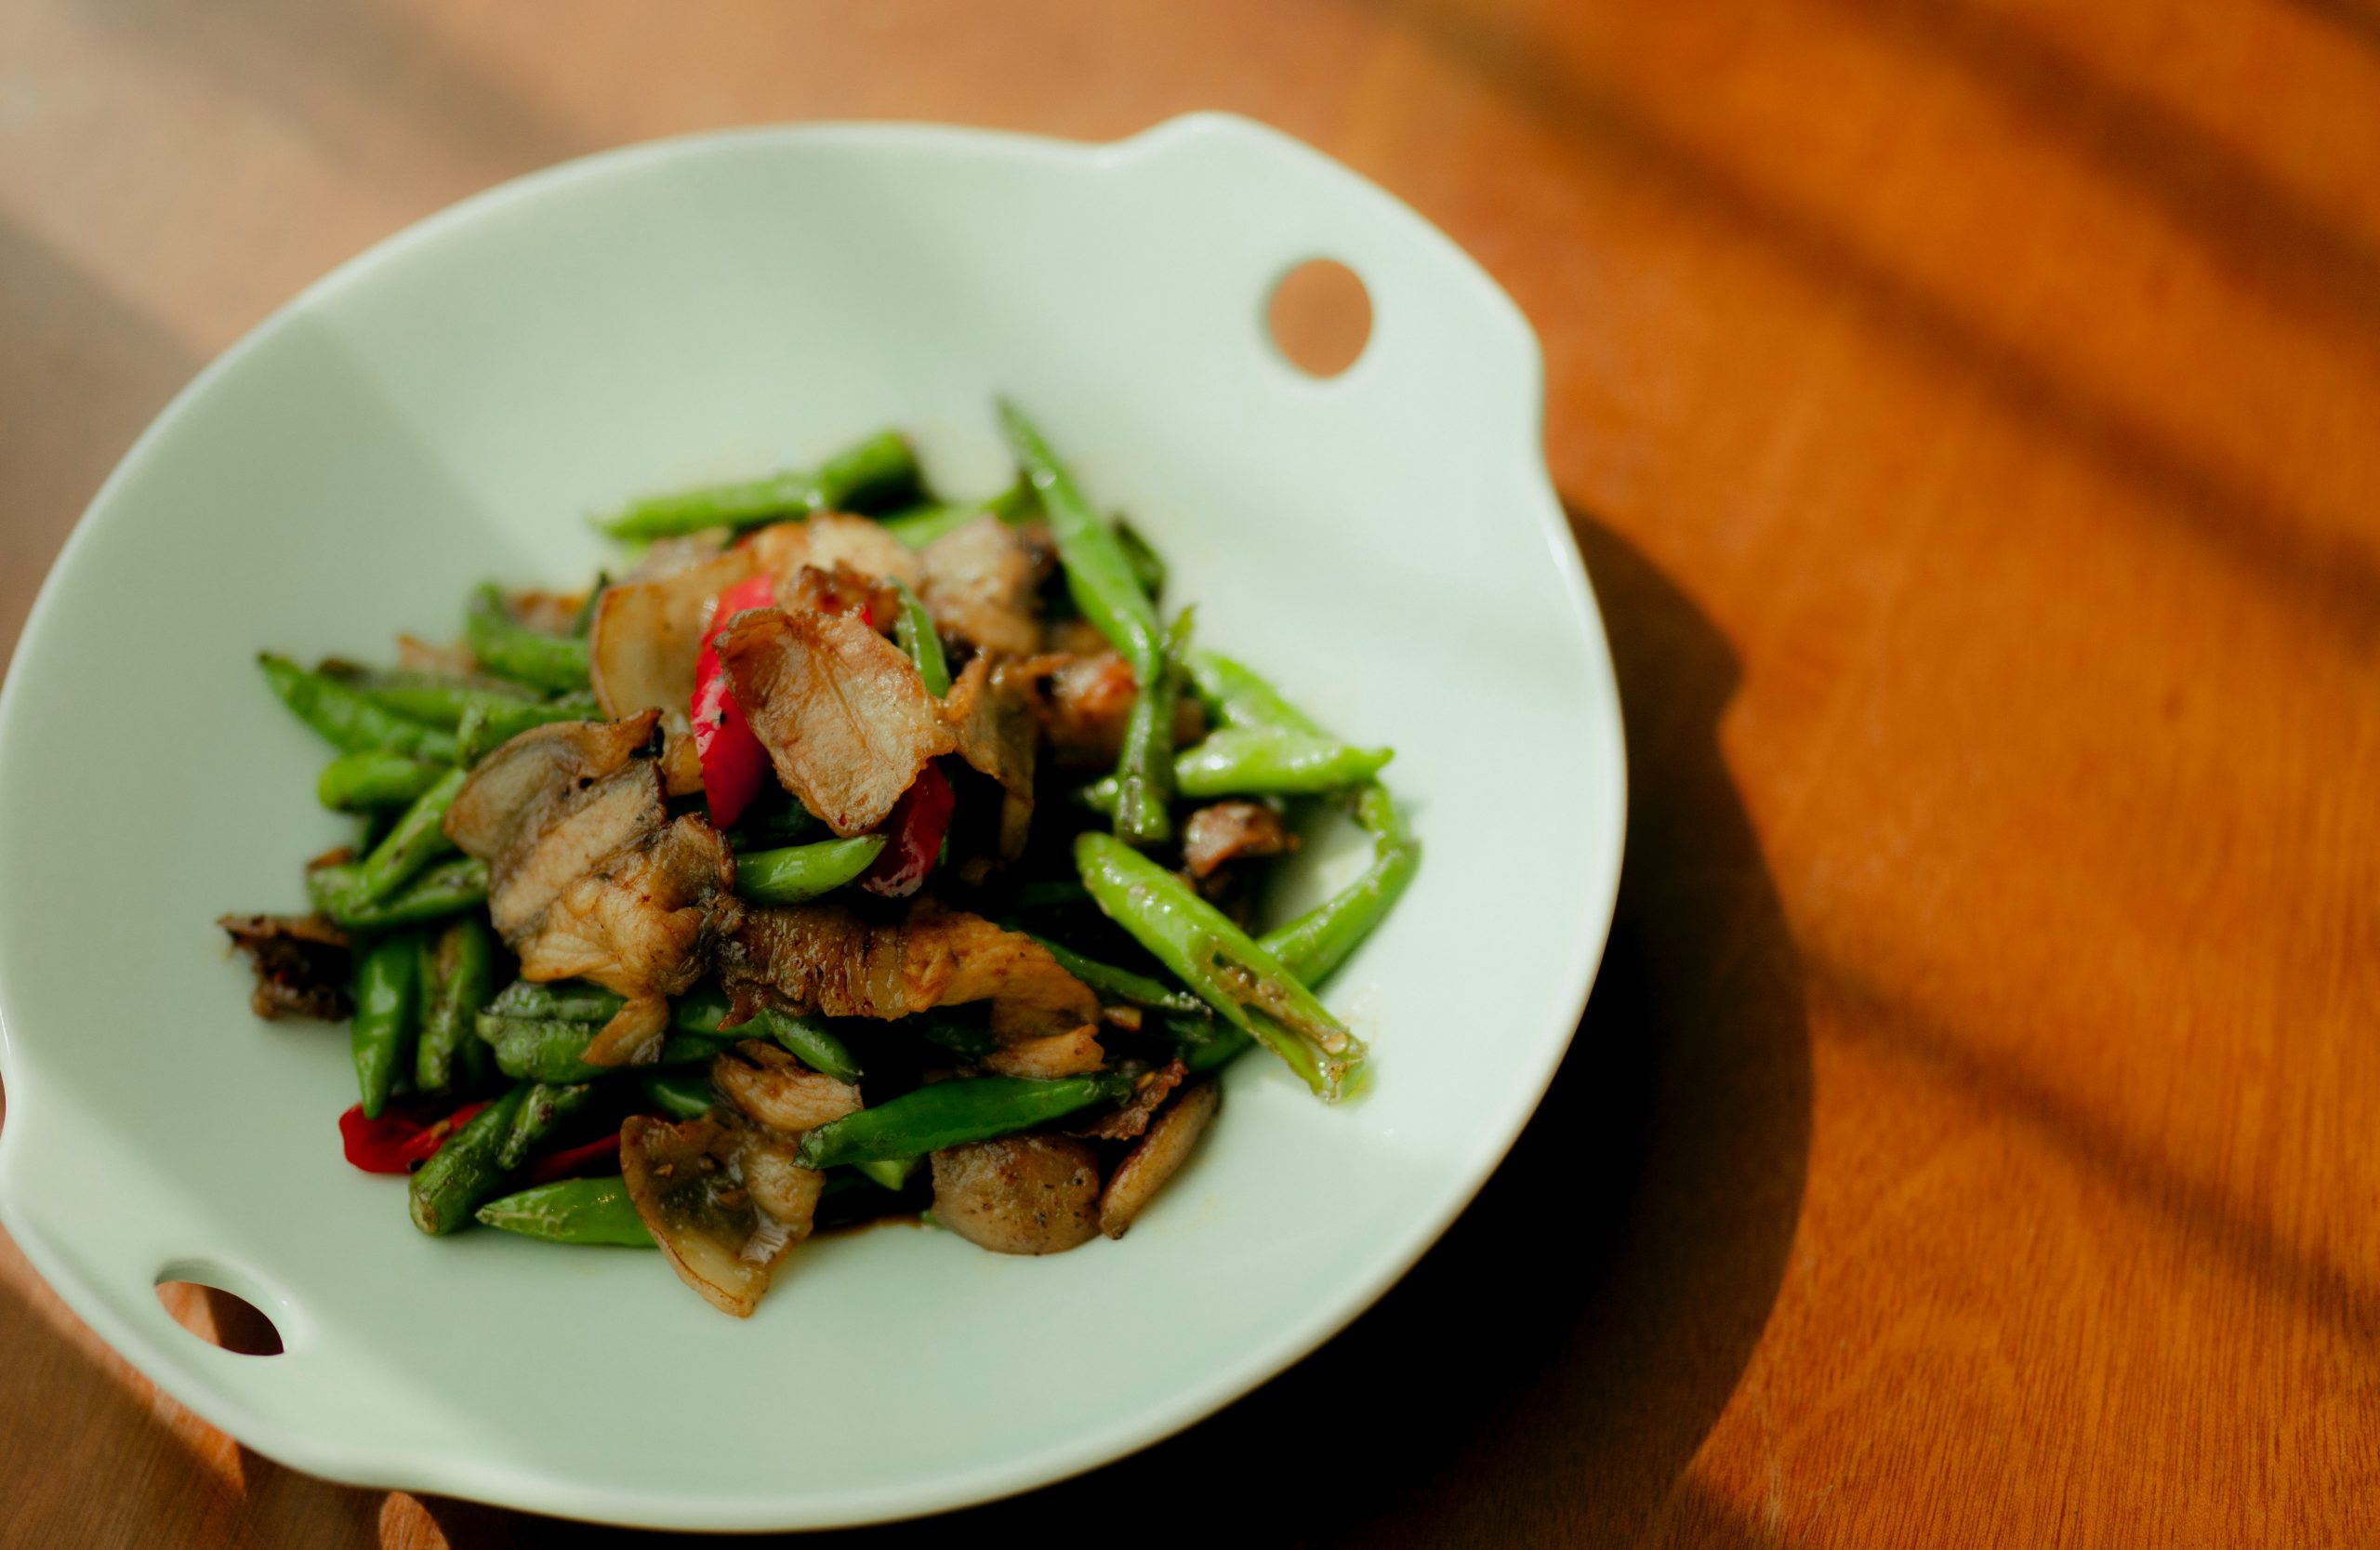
<point>1121,985</point>
<point>1257,761</point>
<point>951,1113</point>
<point>1148,565</point>
<point>443,890</point>
<point>1244,982</point>
<point>457,968</point>
<point>387,980</point>
<point>771,825</point>
<point>490,724</point>
<point>372,779</point>
<point>510,649</point>
<point>572,1210</point>
<point>1209,1045</point>
<point>1239,697</point>
<point>806,1038</point>
<point>915,631</point>
<point>870,475</point>
<point>889,1173</point>
<point>540,1048</point>
<point>348,718</point>
<point>439,699</point>
<point>801,872</point>
<point>464,1171</point>
<point>543,1106</point>
<point>1144,773</point>
<point>1098,574</point>
<point>1319,940</point>
<point>679,1097</point>
<point>919,525</point>
<point>419,839</point>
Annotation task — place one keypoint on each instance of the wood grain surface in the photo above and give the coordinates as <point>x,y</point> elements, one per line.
<point>1970,414</point>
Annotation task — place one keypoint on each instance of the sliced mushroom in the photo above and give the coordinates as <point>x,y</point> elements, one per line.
<point>724,1200</point>
<point>1157,1157</point>
<point>769,1085</point>
<point>1020,1193</point>
<point>1148,1095</point>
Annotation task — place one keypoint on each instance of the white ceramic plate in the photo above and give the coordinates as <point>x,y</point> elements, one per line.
<point>451,405</point>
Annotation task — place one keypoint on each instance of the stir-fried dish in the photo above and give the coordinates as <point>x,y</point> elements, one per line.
<point>848,854</point>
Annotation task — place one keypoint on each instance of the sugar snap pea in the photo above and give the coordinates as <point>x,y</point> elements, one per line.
<point>869,475</point>
<point>952,1113</point>
<point>348,718</point>
<point>572,1210</point>
<point>388,982</point>
<point>510,649</point>
<point>464,1171</point>
<point>372,779</point>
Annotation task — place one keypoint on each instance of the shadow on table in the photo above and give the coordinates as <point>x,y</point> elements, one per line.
<point>1546,1373</point>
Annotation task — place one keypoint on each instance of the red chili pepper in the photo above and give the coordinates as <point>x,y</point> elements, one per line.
<point>403,1138</point>
<point>734,762</point>
<point>569,1164</point>
<point>913,834</point>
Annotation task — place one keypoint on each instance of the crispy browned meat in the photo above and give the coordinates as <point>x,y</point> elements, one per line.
<point>827,539</point>
<point>1020,1193</point>
<point>777,1090</point>
<point>1088,702</point>
<point>1226,830</point>
<point>724,1200</point>
<point>841,590</point>
<point>1158,1157</point>
<point>640,648</point>
<point>980,585</point>
<point>303,964</point>
<point>821,958</point>
<point>992,711</point>
<point>845,719</point>
<point>1049,1057</point>
<point>1151,1091</point>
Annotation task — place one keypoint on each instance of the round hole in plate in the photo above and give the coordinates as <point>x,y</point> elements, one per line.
<point>1319,317</point>
<point>219,1316</point>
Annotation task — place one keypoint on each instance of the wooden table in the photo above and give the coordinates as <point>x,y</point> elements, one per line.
<point>1970,414</point>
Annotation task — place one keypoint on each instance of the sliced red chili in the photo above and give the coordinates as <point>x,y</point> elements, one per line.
<point>405,1136</point>
<point>913,836</point>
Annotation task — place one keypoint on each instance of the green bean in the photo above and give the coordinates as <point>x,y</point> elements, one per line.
<point>890,1172</point>
<point>806,1038</point>
<point>488,725</point>
<point>1247,985</point>
<point>780,823</point>
<point>419,839</point>
<point>1148,565</point>
<point>685,1049</point>
<point>439,699</point>
<point>570,1000</point>
<point>1239,697</point>
<point>1099,576</point>
<point>539,1049</point>
<point>1319,940</point>
<point>443,890</point>
<point>1120,984</point>
<point>1144,773</point>
<point>572,1210</point>
<point>919,525</point>
<point>867,475</point>
<point>457,967</point>
<point>1217,1045</point>
<point>388,982</point>
<point>1250,761</point>
<point>801,872</point>
<point>1050,893</point>
<point>348,718</point>
<point>545,1106</point>
<point>372,779</point>
<point>583,622</point>
<point>915,631</point>
<point>510,649</point>
<point>952,1113</point>
<point>679,1097</point>
<point>464,1171</point>
<point>967,1036</point>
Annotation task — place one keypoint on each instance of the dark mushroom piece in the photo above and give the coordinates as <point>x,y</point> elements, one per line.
<point>1020,1193</point>
<point>1157,1157</point>
<point>725,1201</point>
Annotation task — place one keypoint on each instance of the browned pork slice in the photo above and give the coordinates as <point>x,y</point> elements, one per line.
<point>841,590</point>
<point>1020,1193</point>
<point>642,646</point>
<point>1149,1094</point>
<point>845,719</point>
<point>1048,1056</point>
<point>724,1199</point>
<point>1157,1157</point>
<point>1226,830</point>
<point>587,877</point>
<point>770,1086</point>
<point>821,958</point>
<point>1088,702</point>
<point>991,710</point>
<point>829,538</point>
<point>302,963</point>
<point>979,582</point>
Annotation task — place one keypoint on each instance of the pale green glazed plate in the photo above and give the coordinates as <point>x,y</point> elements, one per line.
<point>451,405</point>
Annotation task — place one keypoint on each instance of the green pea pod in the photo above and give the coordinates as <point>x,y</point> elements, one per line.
<point>443,890</point>
<point>464,1171</point>
<point>373,780</point>
<point>798,873</point>
<point>572,1210</point>
<point>442,699</point>
<point>510,649</point>
<point>679,1097</point>
<point>1099,574</point>
<point>419,839</point>
<point>1148,565</point>
<point>1247,985</point>
<point>487,726</point>
<point>1239,697</point>
<point>808,1040</point>
<point>545,1106</point>
<point>1121,985</point>
<point>388,982</point>
<point>1144,773</point>
<point>915,632</point>
<point>870,475</point>
<point>538,1050</point>
<point>952,1113</point>
<point>348,719</point>
<point>459,967</point>
<point>919,525</point>
<point>1249,762</point>
<point>1318,941</point>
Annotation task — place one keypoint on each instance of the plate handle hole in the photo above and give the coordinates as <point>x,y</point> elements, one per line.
<point>1319,317</point>
<point>215,1315</point>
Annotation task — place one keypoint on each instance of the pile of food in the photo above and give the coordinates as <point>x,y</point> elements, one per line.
<point>852,854</point>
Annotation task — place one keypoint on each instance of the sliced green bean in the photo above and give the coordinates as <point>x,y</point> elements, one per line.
<point>1148,565</point>
<point>537,1049</point>
<point>889,1173</point>
<point>1218,1045</point>
<point>1251,761</point>
<point>1099,576</point>
<point>489,725</point>
<point>570,1000</point>
<point>593,1212</point>
<point>914,628</point>
<point>1120,984</point>
<point>1247,985</point>
<point>510,649</point>
<point>348,718</point>
<point>779,824</point>
<point>458,966</point>
<point>808,1040</point>
<point>464,1171</point>
<point>439,699</point>
<point>680,1096</point>
<point>543,1106</point>
<point>443,890</point>
<point>869,475</point>
<point>419,839</point>
<point>387,997</point>
<point>1318,941</point>
<point>373,780</point>
<point>1238,697</point>
<point>1145,771</point>
<point>919,525</point>
<point>952,1113</point>
<point>798,873</point>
